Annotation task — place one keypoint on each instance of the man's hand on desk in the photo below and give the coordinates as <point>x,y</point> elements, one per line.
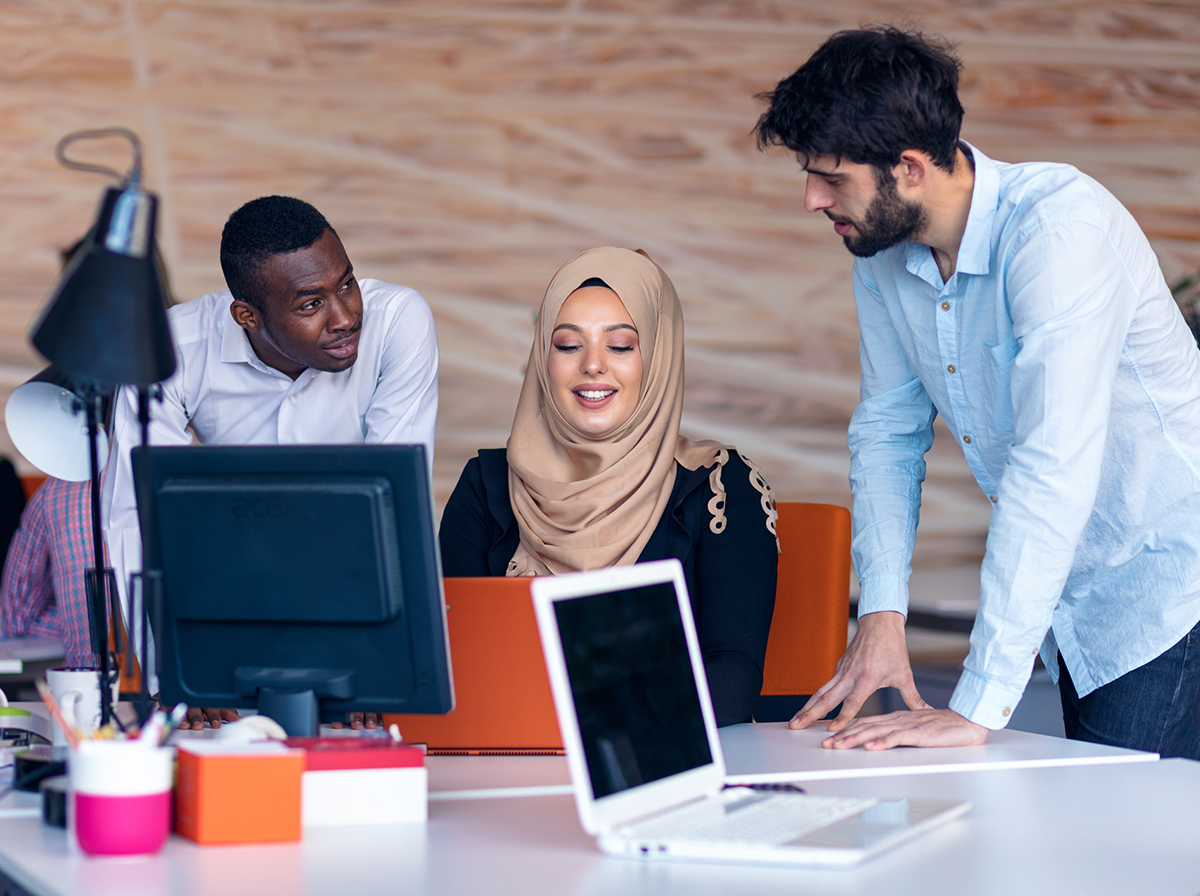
<point>909,728</point>
<point>196,718</point>
<point>876,658</point>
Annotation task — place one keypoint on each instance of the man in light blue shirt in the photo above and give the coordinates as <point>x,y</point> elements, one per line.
<point>1024,305</point>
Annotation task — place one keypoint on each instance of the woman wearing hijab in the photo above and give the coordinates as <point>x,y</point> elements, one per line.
<point>596,474</point>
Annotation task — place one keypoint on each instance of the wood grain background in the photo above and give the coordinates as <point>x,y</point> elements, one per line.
<point>467,149</point>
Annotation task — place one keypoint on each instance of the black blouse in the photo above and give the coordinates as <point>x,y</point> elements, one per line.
<point>730,575</point>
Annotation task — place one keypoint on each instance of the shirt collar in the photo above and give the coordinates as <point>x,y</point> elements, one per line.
<point>975,249</point>
<point>235,345</point>
<point>236,349</point>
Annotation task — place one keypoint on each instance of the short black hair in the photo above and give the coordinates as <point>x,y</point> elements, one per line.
<point>269,225</point>
<point>867,95</point>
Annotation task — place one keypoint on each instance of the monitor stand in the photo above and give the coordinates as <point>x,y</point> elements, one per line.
<point>296,710</point>
<point>292,696</point>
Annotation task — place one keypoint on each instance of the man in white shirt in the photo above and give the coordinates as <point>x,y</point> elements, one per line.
<point>1024,305</point>
<point>296,350</point>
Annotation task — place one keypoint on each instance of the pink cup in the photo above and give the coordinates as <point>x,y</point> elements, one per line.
<point>120,796</point>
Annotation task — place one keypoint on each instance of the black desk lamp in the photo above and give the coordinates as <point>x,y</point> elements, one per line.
<point>105,325</point>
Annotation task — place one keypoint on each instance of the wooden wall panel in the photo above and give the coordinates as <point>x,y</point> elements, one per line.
<point>469,148</point>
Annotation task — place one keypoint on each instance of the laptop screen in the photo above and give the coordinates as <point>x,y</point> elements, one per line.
<point>632,684</point>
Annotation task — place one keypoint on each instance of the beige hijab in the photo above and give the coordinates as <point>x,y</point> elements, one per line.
<point>588,503</point>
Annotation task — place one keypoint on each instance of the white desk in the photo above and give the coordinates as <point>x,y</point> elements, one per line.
<point>752,753</point>
<point>1110,829</point>
<point>772,752</point>
<point>1099,820</point>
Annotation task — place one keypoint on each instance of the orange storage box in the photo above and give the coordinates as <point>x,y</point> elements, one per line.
<point>243,793</point>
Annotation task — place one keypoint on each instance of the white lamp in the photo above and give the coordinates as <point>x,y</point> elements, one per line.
<point>47,424</point>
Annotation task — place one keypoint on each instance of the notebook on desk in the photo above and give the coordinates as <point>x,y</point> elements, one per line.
<point>502,696</point>
<point>641,739</point>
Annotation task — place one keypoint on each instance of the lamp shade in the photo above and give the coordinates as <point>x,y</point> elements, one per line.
<point>47,424</point>
<point>106,321</point>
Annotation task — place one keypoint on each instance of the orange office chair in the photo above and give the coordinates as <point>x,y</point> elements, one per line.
<point>31,484</point>
<point>812,606</point>
<point>502,700</point>
<point>501,690</point>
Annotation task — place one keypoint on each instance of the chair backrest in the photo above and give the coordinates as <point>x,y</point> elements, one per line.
<point>502,700</point>
<point>31,484</point>
<point>812,599</point>
<point>502,693</point>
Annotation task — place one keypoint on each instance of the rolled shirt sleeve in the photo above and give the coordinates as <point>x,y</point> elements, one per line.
<point>890,432</point>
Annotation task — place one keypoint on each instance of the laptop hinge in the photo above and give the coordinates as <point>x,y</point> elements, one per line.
<point>609,828</point>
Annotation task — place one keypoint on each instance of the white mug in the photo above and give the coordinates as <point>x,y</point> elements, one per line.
<point>77,691</point>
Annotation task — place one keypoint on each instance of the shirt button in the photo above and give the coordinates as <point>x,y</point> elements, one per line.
<point>950,368</point>
<point>992,498</point>
<point>967,439</point>
<point>945,306</point>
<point>1006,712</point>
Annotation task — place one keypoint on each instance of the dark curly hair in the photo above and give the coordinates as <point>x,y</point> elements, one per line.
<point>269,225</point>
<point>868,95</point>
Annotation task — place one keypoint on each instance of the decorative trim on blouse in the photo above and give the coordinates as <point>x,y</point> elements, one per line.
<point>768,498</point>
<point>716,504</point>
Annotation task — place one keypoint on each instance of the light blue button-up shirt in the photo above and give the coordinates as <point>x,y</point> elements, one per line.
<point>1064,369</point>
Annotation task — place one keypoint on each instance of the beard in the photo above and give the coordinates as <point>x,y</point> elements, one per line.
<point>888,220</point>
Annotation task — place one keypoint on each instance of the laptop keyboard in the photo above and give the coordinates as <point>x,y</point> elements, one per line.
<point>755,818</point>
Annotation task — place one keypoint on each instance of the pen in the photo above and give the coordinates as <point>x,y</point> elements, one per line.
<point>172,725</point>
<point>152,731</point>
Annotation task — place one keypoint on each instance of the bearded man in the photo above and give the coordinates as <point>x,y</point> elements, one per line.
<point>1024,304</point>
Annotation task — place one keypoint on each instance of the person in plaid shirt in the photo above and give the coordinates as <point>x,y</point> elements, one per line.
<point>42,591</point>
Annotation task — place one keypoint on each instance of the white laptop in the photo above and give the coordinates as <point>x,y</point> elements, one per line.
<point>641,740</point>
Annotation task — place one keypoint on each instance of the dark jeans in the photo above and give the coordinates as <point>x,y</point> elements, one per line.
<point>1156,707</point>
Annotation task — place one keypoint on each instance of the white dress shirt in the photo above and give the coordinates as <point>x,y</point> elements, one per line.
<point>227,396</point>
<point>1066,373</point>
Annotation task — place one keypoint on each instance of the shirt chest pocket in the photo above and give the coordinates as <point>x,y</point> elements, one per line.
<point>321,415</point>
<point>997,379</point>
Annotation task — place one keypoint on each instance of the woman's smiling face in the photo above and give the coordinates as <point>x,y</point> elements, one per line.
<point>595,362</point>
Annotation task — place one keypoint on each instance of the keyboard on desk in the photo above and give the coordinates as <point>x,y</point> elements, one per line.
<point>768,819</point>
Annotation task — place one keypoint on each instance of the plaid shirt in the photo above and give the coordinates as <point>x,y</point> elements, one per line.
<point>43,591</point>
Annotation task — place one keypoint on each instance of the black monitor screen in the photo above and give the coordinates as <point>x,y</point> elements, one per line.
<point>305,567</point>
<point>633,687</point>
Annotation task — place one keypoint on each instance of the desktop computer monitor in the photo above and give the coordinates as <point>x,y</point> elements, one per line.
<point>300,580</point>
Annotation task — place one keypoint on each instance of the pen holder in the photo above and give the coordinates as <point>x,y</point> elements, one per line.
<point>120,796</point>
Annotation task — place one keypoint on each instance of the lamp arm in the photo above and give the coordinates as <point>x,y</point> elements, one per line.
<point>133,176</point>
<point>152,583</point>
<point>100,595</point>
